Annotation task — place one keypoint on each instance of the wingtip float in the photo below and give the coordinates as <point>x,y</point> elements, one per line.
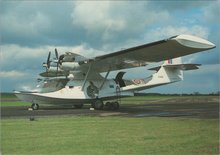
<point>194,42</point>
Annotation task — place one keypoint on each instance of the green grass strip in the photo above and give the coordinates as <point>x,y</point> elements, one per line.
<point>109,135</point>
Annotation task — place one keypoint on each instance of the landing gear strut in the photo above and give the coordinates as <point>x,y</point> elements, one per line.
<point>35,106</point>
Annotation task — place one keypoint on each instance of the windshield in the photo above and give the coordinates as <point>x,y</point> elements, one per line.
<point>51,85</point>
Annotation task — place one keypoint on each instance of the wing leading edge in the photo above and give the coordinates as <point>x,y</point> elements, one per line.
<point>170,48</point>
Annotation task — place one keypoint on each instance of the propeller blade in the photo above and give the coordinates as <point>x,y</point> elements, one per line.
<point>57,68</point>
<point>56,53</point>
<point>61,59</point>
<point>48,60</point>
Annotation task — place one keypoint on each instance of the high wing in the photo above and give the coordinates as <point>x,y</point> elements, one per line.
<point>142,55</point>
<point>173,47</point>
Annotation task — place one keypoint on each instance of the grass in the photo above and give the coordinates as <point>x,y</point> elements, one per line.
<point>109,135</point>
<point>12,104</point>
<point>84,135</point>
<point>7,95</point>
<point>9,99</point>
<point>143,99</point>
<point>153,99</point>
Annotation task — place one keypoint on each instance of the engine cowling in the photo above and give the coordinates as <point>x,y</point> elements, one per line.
<point>70,66</point>
<point>53,70</point>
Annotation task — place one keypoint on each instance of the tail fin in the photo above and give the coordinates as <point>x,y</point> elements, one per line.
<point>169,72</point>
<point>173,69</point>
<point>173,61</point>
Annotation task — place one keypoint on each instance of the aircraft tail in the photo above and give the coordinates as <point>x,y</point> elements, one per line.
<point>169,72</point>
<point>173,69</point>
<point>177,64</point>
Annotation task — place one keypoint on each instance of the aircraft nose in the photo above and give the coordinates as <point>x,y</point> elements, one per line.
<point>194,42</point>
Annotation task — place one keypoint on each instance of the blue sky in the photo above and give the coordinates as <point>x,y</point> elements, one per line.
<point>30,29</point>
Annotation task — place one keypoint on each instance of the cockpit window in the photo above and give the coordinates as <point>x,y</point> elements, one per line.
<point>53,85</point>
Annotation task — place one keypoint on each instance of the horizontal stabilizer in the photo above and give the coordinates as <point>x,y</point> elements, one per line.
<point>179,66</point>
<point>184,66</point>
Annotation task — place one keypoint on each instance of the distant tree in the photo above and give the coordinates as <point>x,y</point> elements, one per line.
<point>196,93</point>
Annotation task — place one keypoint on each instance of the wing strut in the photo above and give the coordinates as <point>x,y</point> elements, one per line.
<point>104,79</point>
<point>87,74</point>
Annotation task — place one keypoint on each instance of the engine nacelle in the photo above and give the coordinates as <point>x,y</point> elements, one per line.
<point>69,66</point>
<point>53,69</point>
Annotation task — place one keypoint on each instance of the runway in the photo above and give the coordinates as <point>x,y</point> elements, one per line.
<point>198,108</point>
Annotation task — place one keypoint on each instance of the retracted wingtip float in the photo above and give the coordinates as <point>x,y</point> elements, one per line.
<point>194,42</point>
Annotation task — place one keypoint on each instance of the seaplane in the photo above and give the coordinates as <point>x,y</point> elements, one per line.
<point>72,79</point>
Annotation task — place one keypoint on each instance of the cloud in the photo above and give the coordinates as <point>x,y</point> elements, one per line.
<point>24,24</point>
<point>30,29</point>
<point>37,23</point>
<point>15,57</point>
<point>210,12</point>
<point>174,6</point>
<point>11,74</point>
<point>21,58</point>
<point>108,19</point>
<point>168,31</point>
<point>101,11</point>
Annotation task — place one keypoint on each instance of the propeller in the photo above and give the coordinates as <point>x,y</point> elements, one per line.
<point>47,64</point>
<point>59,59</point>
<point>48,61</point>
<point>56,53</point>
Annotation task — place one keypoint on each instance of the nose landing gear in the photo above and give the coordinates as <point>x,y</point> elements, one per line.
<point>35,106</point>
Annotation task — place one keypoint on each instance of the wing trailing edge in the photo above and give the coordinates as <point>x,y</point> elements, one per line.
<point>184,67</point>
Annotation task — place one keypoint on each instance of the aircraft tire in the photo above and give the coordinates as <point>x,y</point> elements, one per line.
<point>35,106</point>
<point>98,105</point>
<point>112,105</point>
<point>79,106</point>
<point>108,105</point>
<point>115,105</point>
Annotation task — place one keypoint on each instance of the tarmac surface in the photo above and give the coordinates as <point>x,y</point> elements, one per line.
<point>194,108</point>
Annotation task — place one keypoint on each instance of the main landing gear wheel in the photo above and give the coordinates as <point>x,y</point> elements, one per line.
<point>112,105</point>
<point>79,106</point>
<point>35,106</point>
<point>98,104</point>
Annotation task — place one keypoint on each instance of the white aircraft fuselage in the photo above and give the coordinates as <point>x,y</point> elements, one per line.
<point>73,93</point>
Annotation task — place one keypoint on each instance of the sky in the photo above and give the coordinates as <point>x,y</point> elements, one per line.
<point>30,29</point>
